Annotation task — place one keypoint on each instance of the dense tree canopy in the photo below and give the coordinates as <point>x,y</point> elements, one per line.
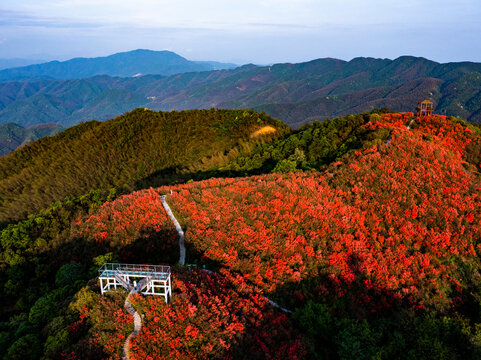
<point>140,148</point>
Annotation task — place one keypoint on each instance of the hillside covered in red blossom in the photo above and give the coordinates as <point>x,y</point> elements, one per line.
<point>377,255</point>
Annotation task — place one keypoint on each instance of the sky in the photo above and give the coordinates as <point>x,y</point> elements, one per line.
<point>247,31</point>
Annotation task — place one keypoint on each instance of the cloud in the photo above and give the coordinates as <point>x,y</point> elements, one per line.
<point>282,26</point>
<point>285,2</point>
<point>25,19</point>
<point>259,30</point>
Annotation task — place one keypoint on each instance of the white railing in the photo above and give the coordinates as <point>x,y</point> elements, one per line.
<point>118,276</point>
<point>143,278</point>
<point>134,268</point>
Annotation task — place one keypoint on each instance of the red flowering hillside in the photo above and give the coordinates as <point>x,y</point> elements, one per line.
<point>397,223</point>
<point>213,316</point>
<point>400,216</point>
<point>210,316</point>
<point>136,221</point>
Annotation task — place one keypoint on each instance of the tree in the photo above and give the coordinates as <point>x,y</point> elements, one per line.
<point>69,273</point>
<point>25,348</point>
<point>284,166</point>
<point>43,311</point>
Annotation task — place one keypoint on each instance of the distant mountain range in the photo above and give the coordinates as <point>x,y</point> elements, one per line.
<point>16,62</point>
<point>294,93</point>
<point>12,135</point>
<point>125,64</point>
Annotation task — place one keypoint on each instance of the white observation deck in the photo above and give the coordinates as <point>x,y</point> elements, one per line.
<point>146,279</point>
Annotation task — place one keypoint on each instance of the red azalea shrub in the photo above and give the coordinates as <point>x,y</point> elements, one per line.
<point>138,217</point>
<point>394,222</point>
<point>420,203</point>
<point>110,324</point>
<point>398,217</point>
<point>210,316</point>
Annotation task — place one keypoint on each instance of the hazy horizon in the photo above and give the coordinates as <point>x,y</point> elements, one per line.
<point>45,60</point>
<point>260,32</point>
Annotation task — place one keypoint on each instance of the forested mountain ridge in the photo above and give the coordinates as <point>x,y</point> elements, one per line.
<point>124,151</point>
<point>293,93</point>
<point>130,63</point>
<point>12,135</point>
<point>366,228</point>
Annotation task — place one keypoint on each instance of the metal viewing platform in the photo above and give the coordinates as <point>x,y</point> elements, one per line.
<point>146,279</point>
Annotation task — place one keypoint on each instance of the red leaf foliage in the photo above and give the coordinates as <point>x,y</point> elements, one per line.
<point>399,217</point>
<point>393,222</point>
<point>130,219</point>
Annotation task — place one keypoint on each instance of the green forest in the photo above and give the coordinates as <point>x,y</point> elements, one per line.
<point>141,148</point>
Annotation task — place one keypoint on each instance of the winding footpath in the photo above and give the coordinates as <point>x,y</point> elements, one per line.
<point>128,305</point>
<point>137,324</point>
<point>276,305</point>
<point>182,249</point>
<point>135,314</point>
<point>411,123</point>
<point>178,228</point>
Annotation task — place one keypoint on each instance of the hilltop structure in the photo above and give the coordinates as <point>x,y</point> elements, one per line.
<point>424,108</point>
<point>146,279</point>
